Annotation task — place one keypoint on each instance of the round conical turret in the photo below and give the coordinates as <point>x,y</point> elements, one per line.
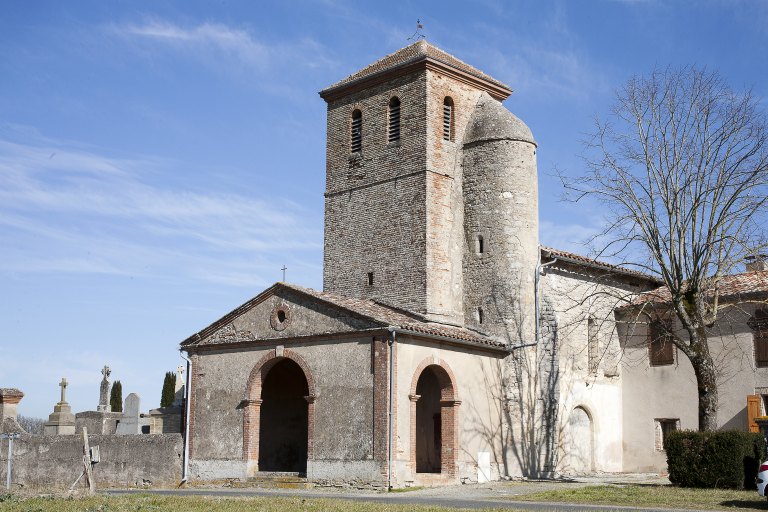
<point>492,121</point>
<point>501,223</point>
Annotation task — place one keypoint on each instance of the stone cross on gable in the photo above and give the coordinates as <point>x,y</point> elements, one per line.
<point>63,385</point>
<point>180,370</point>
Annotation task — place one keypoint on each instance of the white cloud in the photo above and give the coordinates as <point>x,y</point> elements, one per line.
<point>220,45</point>
<point>80,211</point>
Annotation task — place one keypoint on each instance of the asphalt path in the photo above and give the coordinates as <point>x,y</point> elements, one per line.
<point>394,498</point>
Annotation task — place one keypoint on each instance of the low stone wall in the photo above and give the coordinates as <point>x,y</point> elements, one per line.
<point>54,462</point>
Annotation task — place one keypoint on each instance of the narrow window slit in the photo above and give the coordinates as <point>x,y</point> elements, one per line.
<point>448,119</point>
<point>370,278</point>
<point>356,135</point>
<point>393,128</point>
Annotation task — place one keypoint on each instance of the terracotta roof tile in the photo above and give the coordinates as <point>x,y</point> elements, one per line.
<point>390,316</point>
<point>733,288</point>
<point>377,313</point>
<point>420,50</point>
<point>548,252</point>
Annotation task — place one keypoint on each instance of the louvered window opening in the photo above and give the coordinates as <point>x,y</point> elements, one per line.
<point>661,348</point>
<point>356,135</point>
<point>759,325</point>
<point>393,131</point>
<point>448,119</point>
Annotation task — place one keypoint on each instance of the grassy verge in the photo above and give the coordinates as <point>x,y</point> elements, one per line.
<point>150,503</point>
<point>656,496</point>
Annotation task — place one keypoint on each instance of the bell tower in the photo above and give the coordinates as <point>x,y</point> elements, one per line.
<point>394,206</point>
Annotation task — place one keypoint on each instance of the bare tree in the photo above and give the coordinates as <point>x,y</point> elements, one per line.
<point>681,163</point>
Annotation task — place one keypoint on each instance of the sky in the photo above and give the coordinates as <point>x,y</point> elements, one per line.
<point>160,161</point>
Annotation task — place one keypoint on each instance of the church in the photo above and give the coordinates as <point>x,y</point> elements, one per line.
<point>447,344</point>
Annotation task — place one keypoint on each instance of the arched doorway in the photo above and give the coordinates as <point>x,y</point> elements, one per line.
<point>433,419</point>
<point>428,423</point>
<point>284,419</point>
<point>579,455</point>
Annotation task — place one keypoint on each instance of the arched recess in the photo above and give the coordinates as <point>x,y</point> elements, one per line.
<point>434,419</point>
<point>580,442</point>
<point>263,384</point>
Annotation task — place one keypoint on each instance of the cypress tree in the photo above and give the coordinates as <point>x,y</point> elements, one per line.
<point>116,397</point>
<point>169,390</point>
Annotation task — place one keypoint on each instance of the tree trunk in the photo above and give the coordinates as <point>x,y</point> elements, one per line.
<point>706,382</point>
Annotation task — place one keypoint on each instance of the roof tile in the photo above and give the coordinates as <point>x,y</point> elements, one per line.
<point>420,50</point>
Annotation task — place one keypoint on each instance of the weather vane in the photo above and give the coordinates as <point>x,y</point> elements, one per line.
<point>418,34</point>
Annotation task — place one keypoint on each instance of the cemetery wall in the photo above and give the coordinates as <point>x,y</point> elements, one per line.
<point>54,462</point>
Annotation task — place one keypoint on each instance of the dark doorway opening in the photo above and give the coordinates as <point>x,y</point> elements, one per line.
<point>283,426</point>
<point>428,423</point>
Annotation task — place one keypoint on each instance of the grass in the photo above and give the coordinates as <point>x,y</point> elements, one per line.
<point>154,503</point>
<point>657,496</point>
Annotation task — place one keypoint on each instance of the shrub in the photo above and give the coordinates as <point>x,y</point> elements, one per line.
<point>168,394</point>
<point>714,459</point>
<point>116,397</point>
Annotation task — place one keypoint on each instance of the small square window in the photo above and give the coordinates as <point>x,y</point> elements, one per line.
<point>663,427</point>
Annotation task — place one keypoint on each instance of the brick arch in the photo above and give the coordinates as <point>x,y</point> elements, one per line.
<point>449,415</point>
<point>252,416</point>
<point>448,388</point>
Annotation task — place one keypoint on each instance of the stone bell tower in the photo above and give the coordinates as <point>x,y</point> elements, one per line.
<point>394,206</point>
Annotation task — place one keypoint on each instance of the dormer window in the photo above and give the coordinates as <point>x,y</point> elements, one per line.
<point>393,120</point>
<point>448,118</point>
<point>356,132</point>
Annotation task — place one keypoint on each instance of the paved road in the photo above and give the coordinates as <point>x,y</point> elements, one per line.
<point>479,500</point>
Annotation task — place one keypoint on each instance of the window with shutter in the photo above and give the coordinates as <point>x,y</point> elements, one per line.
<point>759,325</point>
<point>448,119</point>
<point>661,350</point>
<point>393,127</point>
<point>356,134</point>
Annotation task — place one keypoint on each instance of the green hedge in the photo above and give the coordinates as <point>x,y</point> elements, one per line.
<point>714,459</point>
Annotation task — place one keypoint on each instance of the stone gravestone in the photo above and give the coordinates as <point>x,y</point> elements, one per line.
<point>104,391</point>
<point>178,392</point>
<point>129,423</point>
<point>61,421</point>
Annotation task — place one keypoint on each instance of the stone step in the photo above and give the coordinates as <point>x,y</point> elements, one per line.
<point>278,480</point>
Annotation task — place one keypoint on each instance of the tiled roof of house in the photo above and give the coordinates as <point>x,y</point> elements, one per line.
<point>418,51</point>
<point>379,314</point>
<point>732,288</point>
<point>548,252</point>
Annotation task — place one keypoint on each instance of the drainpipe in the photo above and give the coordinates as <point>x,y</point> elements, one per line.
<point>187,408</point>
<point>390,455</point>
<point>539,267</point>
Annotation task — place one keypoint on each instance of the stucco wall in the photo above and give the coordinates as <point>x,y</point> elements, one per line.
<point>669,392</point>
<point>54,462</point>
<point>577,295</point>
<point>341,370</point>
<point>478,386</point>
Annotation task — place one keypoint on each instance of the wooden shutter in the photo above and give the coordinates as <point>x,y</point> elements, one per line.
<point>661,349</point>
<point>753,411</point>
<point>759,325</point>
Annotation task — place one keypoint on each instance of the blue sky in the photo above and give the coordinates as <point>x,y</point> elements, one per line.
<point>160,161</point>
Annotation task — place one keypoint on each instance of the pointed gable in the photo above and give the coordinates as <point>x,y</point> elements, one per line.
<point>287,311</point>
<point>417,56</point>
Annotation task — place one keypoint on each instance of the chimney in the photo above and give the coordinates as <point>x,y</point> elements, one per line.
<point>757,262</point>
